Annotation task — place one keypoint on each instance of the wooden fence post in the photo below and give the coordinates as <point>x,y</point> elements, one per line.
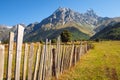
<point>44,63</point>
<point>41,63</point>
<point>20,30</point>
<point>51,59</point>
<point>2,49</point>
<point>25,61</point>
<point>49,69</point>
<point>54,72</point>
<point>58,57</point>
<point>80,54</point>
<point>10,54</point>
<point>71,56</point>
<point>86,44</point>
<point>62,58</point>
<point>30,62</point>
<point>37,62</point>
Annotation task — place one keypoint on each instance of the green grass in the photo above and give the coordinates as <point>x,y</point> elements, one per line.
<point>100,63</point>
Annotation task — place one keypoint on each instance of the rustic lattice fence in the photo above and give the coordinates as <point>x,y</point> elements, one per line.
<point>37,61</point>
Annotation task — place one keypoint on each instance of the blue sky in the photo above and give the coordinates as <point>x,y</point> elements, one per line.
<point>13,12</point>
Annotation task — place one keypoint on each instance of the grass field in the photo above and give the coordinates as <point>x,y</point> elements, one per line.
<point>100,63</point>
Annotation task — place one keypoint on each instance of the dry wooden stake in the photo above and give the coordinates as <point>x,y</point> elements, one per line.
<point>25,61</point>
<point>10,55</point>
<point>37,62</point>
<point>2,49</point>
<point>71,56</point>
<point>20,30</point>
<point>44,63</point>
<point>41,63</point>
<point>30,62</point>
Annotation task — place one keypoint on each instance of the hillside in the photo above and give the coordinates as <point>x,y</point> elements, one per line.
<point>100,63</point>
<point>63,18</point>
<point>84,25</point>
<point>111,32</point>
<point>78,32</point>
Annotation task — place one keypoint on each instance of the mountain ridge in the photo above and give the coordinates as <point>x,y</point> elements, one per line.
<point>87,23</point>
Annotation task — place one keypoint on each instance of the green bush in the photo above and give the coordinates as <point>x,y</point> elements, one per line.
<point>53,41</point>
<point>66,36</point>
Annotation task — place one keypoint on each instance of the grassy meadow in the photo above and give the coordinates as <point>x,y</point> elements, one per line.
<point>100,63</point>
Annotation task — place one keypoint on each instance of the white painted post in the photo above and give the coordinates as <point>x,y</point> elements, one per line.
<point>2,49</point>
<point>10,54</point>
<point>20,30</point>
<point>25,61</point>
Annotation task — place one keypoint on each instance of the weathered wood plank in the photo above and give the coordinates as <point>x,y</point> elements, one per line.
<point>10,54</point>
<point>41,63</point>
<point>61,60</point>
<point>50,48</point>
<point>71,56</point>
<point>58,56</point>
<point>49,62</point>
<point>81,49</point>
<point>20,30</point>
<point>25,61</point>
<point>80,54</point>
<point>2,49</point>
<point>30,61</point>
<point>45,61</point>
<point>37,62</point>
<point>54,72</point>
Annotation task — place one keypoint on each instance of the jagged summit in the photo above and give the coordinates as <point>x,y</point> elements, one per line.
<point>83,25</point>
<point>65,15</point>
<point>62,9</point>
<point>91,13</point>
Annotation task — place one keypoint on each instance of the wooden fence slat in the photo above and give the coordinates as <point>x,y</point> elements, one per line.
<point>54,66</point>
<point>58,56</point>
<point>86,47</point>
<point>25,61</point>
<point>20,30</point>
<point>62,57</point>
<point>81,49</point>
<point>37,62</point>
<point>71,56</point>
<point>49,62</point>
<point>2,49</point>
<point>10,54</point>
<point>41,63</point>
<point>30,62</point>
<point>45,60</point>
<point>50,48</point>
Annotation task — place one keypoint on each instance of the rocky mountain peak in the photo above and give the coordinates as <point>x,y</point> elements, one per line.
<point>64,15</point>
<point>62,9</point>
<point>91,12</point>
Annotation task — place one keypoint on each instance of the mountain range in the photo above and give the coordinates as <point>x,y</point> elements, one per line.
<point>81,25</point>
<point>110,32</point>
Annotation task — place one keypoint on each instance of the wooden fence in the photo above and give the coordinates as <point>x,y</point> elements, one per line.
<point>37,61</point>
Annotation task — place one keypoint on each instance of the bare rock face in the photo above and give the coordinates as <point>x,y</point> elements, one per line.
<point>87,23</point>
